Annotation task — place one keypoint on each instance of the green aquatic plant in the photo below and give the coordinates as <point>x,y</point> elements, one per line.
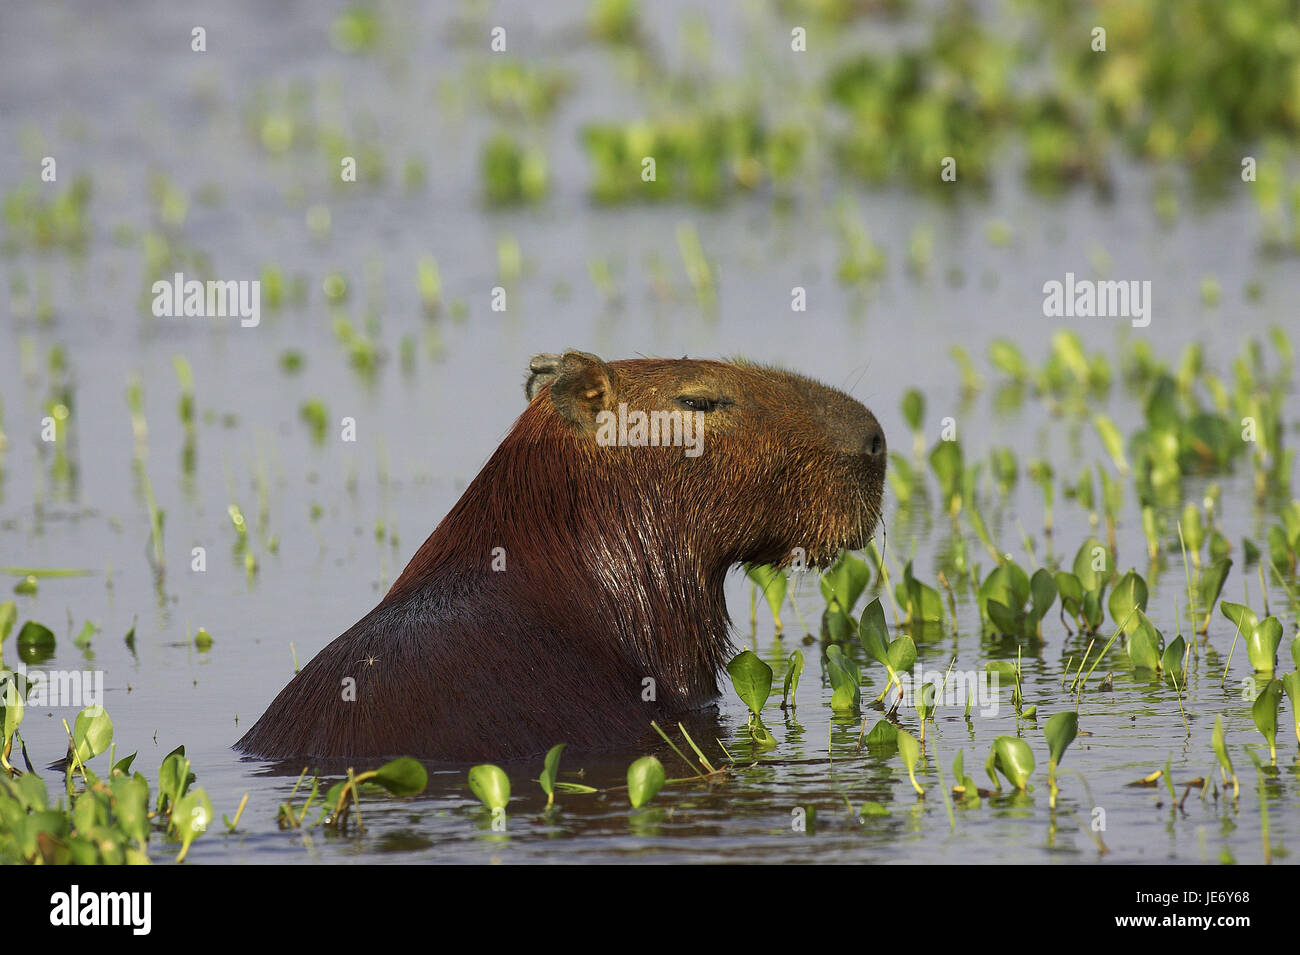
<point>1220,746</point>
<point>1262,637</point>
<point>909,750</point>
<point>921,603</point>
<point>645,778</point>
<point>1012,758</point>
<point>1060,730</point>
<point>902,478</point>
<point>550,773</point>
<point>1264,712</point>
<point>842,585</point>
<point>793,670</point>
<point>513,172</point>
<point>1083,588</point>
<point>490,785</point>
<point>1013,603</point>
<point>946,462</point>
<point>846,694</point>
<point>914,415</point>
<point>107,820</point>
<point>752,680</point>
<point>1146,644</point>
<point>703,155</point>
<point>1129,594</point>
<point>401,777</point>
<point>897,656</point>
<point>1211,586</point>
<point>772,583</point>
<point>963,785</point>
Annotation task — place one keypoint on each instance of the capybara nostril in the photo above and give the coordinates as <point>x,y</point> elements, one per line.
<point>873,443</point>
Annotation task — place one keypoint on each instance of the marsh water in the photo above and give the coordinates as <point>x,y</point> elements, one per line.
<point>123,99</point>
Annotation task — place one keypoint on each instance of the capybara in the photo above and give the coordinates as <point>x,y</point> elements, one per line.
<point>575,591</point>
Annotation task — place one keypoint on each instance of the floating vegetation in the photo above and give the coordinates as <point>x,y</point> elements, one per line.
<point>513,171</point>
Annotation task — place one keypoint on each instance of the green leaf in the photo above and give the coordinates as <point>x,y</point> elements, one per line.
<point>1146,644</point>
<point>131,807</point>
<point>1092,612</point>
<point>883,735</point>
<point>1093,565</point>
<point>645,778</point>
<point>1113,441</point>
<point>925,701</point>
<point>793,670</point>
<point>402,777</point>
<point>82,640</point>
<point>551,771</point>
<point>1291,683</point>
<point>845,581</point>
<point>35,642</point>
<point>913,408</point>
<point>1008,585</point>
<point>1042,593</point>
<point>1264,712</point>
<point>837,626</point>
<point>1220,745</point>
<point>1012,758</point>
<point>760,734</point>
<point>490,784</point>
<point>773,583</point>
<point>752,679</point>
<point>1003,618</point>
<point>1007,358</point>
<point>901,477</point>
<point>844,679</point>
<point>1262,643</point>
<point>1060,730</point>
<point>910,751</point>
<point>873,632</point>
<point>8,617</point>
<point>1212,584</point>
<point>902,654</point>
<point>1242,617</point>
<point>123,765</point>
<point>92,732</point>
<point>923,602</point>
<point>1171,661</point>
<point>14,688</point>
<point>173,778</point>
<point>1129,595</point>
<point>190,819</point>
<point>946,461</point>
<point>1071,591</point>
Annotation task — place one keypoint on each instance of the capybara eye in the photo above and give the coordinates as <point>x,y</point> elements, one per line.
<point>697,403</point>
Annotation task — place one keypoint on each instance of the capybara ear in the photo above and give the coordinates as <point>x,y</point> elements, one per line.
<point>581,385</point>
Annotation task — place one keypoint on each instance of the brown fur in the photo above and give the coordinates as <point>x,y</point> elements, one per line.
<point>615,562</point>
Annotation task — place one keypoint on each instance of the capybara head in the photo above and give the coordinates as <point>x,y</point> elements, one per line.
<point>749,464</point>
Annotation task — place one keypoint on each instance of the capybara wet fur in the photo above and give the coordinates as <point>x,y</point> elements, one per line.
<point>586,560</point>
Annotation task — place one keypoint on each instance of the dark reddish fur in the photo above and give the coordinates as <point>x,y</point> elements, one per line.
<point>616,559</point>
